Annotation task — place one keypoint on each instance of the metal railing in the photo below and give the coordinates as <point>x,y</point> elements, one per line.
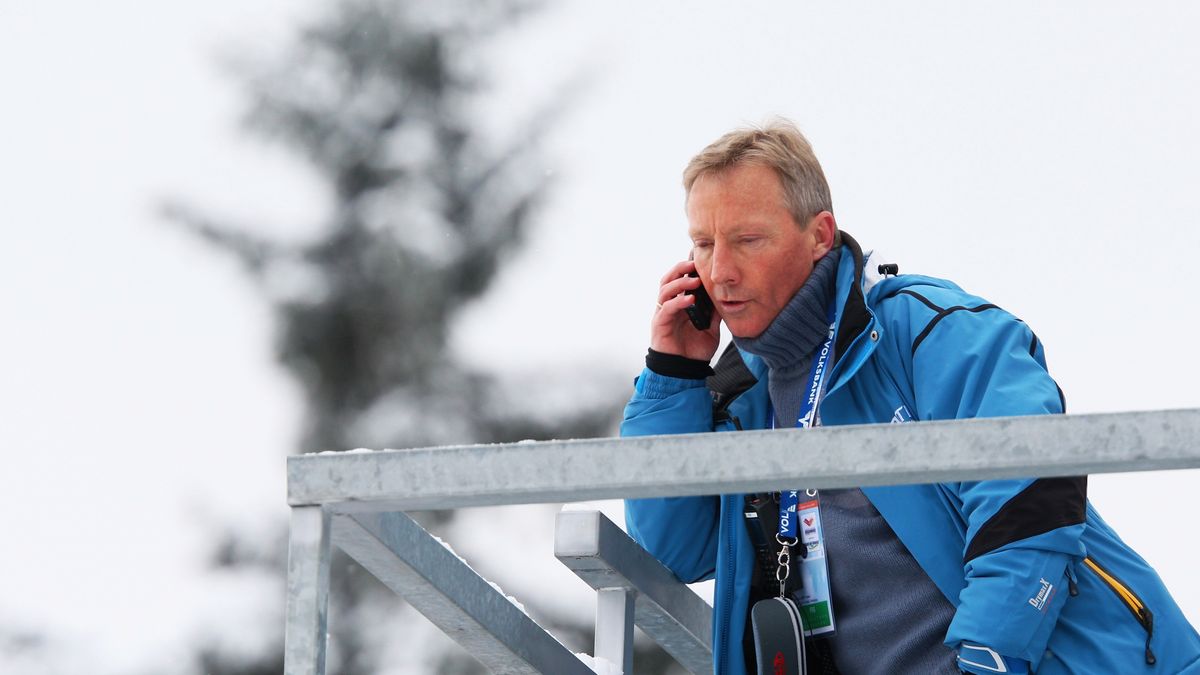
<point>356,502</point>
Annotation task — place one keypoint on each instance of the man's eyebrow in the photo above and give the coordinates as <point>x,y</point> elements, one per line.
<point>734,230</point>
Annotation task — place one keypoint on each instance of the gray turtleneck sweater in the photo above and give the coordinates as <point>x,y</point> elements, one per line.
<point>890,617</point>
<point>788,344</point>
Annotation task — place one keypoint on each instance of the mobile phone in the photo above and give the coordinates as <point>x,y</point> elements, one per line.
<point>700,313</point>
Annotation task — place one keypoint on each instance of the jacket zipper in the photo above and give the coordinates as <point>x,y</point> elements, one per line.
<point>1131,601</point>
<point>728,599</point>
<point>729,524</point>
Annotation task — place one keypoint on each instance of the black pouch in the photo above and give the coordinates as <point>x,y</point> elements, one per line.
<point>778,637</point>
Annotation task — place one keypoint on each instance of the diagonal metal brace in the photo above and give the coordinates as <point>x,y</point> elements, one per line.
<point>453,596</point>
<point>668,611</point>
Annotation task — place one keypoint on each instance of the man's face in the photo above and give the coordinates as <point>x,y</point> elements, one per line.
<point>751,254</point>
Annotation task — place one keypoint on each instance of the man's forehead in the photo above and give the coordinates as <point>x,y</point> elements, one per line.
<point>728,228</point>
<point>744,184</point>
<point>748,202</point>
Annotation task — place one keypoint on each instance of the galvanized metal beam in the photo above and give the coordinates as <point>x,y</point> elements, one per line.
<point>614,627</point>
<point>454,597</point>
<point>606,558</point>
<point>307,592</point>
<point>752,461</point>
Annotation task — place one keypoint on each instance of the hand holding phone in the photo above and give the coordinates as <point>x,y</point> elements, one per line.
<point>682,301</point>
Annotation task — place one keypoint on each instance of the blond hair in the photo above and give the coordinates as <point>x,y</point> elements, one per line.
<point>778,145</point>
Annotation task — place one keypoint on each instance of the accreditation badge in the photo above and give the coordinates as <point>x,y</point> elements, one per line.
<point>814,597</point>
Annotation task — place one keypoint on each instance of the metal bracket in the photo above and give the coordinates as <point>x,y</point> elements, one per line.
<point>667,610</point>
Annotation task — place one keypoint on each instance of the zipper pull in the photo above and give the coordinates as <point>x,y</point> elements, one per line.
<point>1148,622</point>
<point>1072,588</point>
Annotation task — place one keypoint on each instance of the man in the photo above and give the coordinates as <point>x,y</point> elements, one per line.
<point>1008,576</point>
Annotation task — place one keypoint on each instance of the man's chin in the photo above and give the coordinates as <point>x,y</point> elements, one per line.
<point>743,329</point>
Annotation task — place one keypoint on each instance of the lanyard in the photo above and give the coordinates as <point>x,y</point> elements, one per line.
<point>806,419</point>
<point>814,596</point>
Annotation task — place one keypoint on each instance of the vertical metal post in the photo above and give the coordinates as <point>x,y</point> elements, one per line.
<point>614,627</point>
<point>307,592</point>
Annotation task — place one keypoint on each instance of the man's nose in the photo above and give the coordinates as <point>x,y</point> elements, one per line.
<point>724,269</point>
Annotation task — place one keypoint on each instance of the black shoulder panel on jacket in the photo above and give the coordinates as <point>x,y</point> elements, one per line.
<point>1047,504</point>
<point>730,379</point>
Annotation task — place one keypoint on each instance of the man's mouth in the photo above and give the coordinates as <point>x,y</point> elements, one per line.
<point>727,306</point>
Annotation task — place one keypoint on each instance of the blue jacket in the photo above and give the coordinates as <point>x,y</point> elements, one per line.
<point>1039,582</point>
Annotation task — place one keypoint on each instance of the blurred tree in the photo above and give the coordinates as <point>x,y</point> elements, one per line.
<point>378,100</point>
<point>377,97</point>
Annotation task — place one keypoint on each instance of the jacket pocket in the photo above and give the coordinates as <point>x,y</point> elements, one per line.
<point>1132,602</point>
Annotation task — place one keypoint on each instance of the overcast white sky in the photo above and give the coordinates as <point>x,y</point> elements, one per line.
<point>1045,157</point>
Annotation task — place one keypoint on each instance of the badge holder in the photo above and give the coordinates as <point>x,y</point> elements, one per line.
<point>778,625</point>
<point>814,596</point>
<point>778,637</point>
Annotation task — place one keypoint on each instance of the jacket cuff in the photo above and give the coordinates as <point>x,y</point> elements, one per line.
<point>980,660</point>
<point>673,365</point>
<point>652,386</point>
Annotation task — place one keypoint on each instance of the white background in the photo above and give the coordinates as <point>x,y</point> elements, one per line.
<point>1044,157</point>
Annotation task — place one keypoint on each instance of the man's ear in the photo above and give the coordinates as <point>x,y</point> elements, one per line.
<point>824,229</point>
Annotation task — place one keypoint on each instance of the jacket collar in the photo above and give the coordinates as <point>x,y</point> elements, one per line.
<point>853,316</point>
